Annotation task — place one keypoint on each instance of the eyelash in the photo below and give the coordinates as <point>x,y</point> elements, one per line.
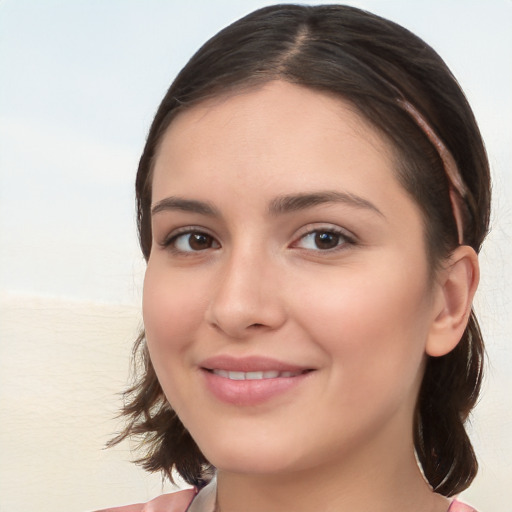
<point>170,242</point>
<point>343,239</point>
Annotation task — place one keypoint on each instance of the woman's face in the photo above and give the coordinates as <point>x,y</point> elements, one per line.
<point>287,300</point>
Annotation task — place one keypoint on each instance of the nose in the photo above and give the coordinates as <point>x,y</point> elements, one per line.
<point>247,298</point>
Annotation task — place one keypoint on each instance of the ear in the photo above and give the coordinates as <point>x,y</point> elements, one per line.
<point>456,286</point>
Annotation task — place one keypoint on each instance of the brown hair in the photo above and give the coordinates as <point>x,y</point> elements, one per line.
<point>374,64</point>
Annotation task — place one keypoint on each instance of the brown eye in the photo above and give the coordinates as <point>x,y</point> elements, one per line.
<point>193,242</point>
<point>326,240</point>
<point>322,240</point>
<point>200,241</point>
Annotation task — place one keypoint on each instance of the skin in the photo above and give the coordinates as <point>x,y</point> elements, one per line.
<point>362,315</point>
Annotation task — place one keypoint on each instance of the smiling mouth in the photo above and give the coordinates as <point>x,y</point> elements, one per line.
<point>251,381</point>
<point>262,375</point>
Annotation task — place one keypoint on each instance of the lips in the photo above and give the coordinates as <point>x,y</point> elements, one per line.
<point>250,380</point>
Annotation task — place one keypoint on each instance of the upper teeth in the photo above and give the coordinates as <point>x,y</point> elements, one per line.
<point>253,375</point>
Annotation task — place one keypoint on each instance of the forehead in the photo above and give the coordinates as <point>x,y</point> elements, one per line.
<point>275,130</point>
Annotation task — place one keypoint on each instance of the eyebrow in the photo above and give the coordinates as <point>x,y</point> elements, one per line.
<point>186,205</point>
<point>278,206</point>
<point>295,202</point>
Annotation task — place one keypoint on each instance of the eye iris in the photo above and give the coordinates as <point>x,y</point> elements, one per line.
<point>326,240</point>
<point>199,241</point>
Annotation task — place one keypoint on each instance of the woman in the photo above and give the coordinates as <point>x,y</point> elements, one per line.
<point>312,197</point>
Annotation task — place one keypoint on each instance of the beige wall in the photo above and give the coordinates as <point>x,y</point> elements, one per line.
<point>61,365</point>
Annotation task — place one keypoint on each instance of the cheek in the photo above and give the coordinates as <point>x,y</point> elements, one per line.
<point>172,312</point>
<point>372,325</point>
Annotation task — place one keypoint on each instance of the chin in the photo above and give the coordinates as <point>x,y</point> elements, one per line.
<point>251,457</point>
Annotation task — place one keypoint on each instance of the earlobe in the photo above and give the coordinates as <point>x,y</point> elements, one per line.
<point>457,286</point>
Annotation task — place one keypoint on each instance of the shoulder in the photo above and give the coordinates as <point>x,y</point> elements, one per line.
<point>458,506</point>
<point>174,502</point>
